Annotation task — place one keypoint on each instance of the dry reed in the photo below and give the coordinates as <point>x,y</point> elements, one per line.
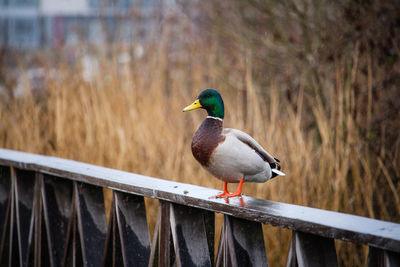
<point>129,117</point>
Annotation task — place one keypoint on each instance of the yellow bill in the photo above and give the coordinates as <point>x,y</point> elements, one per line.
<point>195,105</point>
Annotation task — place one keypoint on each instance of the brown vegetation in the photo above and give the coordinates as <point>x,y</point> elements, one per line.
<point>325,103</point>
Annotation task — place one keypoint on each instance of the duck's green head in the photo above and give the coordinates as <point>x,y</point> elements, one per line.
<point>209,100</point>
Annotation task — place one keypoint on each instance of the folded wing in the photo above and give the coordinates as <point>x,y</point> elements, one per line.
<point>248,140</point>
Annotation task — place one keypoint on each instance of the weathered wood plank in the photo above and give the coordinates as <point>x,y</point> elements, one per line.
<point>43,249</point>
<point>314,251</point>
<point>91,221</point>
<point>57,207</point>
<point>245,242</point>
<point>165,251</point>
<point>5,205</point>
<point>117,246</point>
<point>153,261</point>
<point>133,230</point>
<point>39,255</point>
<point>382,258</point>
<point>291,258</point>
<point>13,253</point>
<point>108,248</point>
<point>190,236</point>
<point>113,255</point>
<point>73,252</point>
<point>222,252</point>
<point>209,222</point>
<point>38,221</point>
<point>375,257</point>
<point>391,259</point>
<point>24,197</point>
<point>328,224</point>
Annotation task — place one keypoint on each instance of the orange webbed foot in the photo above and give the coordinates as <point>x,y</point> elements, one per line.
<point>226,193</point>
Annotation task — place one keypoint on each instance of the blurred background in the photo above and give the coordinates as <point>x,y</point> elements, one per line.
<point>316,82</point>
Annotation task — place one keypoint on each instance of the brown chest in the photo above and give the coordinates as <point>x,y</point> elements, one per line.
<point>206,139</point>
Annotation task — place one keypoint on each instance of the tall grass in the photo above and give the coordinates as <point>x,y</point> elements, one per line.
<point>129,117</point>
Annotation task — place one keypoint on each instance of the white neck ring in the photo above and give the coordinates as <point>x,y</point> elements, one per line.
<point>215,118</point>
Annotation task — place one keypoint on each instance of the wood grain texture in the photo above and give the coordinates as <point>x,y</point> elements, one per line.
<point>133,230</point>
<point>375,233</point>
<point>190,236</point>
<point>245,242</point>
<point>91,221</point>
<point>314,251</point>
<point>57,208</point>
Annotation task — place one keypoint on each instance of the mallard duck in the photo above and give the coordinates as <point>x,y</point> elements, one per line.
<point>229,154</point>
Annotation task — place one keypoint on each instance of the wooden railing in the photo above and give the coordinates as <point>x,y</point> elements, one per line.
<point>52,213</point>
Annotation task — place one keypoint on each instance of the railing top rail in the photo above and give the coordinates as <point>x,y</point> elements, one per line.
<point>381,234</point>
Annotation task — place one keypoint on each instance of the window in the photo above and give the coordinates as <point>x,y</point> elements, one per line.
<point>24,32</point>
<point>23,3</point>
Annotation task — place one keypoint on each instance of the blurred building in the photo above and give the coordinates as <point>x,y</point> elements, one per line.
<point>29,24</point>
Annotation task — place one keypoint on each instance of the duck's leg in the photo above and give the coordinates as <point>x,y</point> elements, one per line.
<point>238,190</point>
<point>225,193</point>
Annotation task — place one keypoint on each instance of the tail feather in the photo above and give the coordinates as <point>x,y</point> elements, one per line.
<point>275,168</point>
<point>277,172</point>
